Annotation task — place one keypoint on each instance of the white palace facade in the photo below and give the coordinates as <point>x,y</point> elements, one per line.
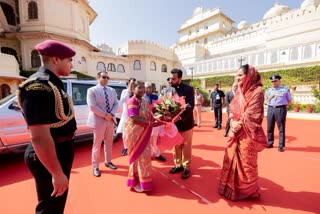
<point>209,43</point>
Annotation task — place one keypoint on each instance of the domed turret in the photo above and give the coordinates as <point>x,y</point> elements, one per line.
<point>243,24</point>
<point>276,10</point>
<point>197,11</point>
<point>308,3</point>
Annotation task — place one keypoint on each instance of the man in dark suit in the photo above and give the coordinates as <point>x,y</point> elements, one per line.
<point>182,153</point>
<point>229,97</point>
<point>217,96</point>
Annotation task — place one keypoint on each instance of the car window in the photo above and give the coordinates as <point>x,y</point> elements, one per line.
<point>65,85</point>
<point>118,90</point>
<point>79,93</point>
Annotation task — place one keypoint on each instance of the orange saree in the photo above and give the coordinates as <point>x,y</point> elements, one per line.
<point>239,175</point>
<point>136,138</point>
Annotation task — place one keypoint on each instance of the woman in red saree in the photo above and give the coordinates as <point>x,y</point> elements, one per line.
<point>137,133</point>
<point>239,175</point>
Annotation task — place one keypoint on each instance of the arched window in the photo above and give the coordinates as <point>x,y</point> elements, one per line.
<point>120,68</point>
<point>35,59</point>
<point>9,13</point>
<point>307,54</point>
<point>164,68</point>
<point>111,67</point>
<point>33,10</point>
<point>137,65</point>
<point>294,54</point>
<point>10,51</point>
<point>153,66</point>
<point>101,66</point>
<point>5,91</point>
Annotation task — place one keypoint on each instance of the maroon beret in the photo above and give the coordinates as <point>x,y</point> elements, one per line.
<point>55,48</point>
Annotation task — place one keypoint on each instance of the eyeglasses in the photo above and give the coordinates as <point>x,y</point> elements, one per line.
<point>274,81</point>
<point>105,77</point>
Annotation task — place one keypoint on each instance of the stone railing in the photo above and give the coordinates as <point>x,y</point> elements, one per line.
<point>303,95</point>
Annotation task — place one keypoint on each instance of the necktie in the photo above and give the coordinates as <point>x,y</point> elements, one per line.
<point>107,99</point>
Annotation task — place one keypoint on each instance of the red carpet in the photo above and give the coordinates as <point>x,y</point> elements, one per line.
<point>289,180</point>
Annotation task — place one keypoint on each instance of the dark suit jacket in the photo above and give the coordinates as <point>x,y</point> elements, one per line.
<point>186,123</point>
<point>229,97</point>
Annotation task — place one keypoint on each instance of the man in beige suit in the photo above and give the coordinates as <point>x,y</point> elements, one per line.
<point>102,101</point>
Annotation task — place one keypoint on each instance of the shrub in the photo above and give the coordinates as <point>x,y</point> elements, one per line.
<point>316,108</point>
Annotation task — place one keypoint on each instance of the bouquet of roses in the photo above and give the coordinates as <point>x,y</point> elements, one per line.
<point>167,110</point>
<point>168,107</point>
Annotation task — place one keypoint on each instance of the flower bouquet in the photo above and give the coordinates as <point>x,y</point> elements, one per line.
<point>167,110</point>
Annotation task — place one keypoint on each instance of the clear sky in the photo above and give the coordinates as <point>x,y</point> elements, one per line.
<point>158,20</point>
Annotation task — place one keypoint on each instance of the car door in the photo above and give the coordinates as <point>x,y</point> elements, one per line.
<point>13,128</point>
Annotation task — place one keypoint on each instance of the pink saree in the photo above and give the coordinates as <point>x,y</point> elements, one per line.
<point>239,175</point>
<point>136,138</point>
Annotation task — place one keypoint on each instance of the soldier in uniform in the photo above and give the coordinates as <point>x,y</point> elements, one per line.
<point>277,98</point>
<point>49,114</point>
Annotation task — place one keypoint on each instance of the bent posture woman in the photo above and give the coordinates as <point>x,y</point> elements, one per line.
<point>239,174</point>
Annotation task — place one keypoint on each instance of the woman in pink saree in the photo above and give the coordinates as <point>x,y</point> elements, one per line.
<point>137,133</point>
<point>239,175</point>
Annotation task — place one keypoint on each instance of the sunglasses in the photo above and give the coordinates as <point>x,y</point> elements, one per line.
<point>274,81</point>
<point>105,77</point>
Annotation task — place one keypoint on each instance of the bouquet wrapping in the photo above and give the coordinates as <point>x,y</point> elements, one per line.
<point>167,110</point>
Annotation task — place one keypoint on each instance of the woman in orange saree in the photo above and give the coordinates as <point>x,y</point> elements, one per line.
<point>239,175</point>
<point>137,133</point>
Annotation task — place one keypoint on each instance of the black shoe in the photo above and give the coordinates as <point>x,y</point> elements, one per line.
<point>219,128</point>
<point>176,170</point>
<point>111,165</point>
<point>281,149</point>
<point>96,172</point>
<point>117,137</point>
<point>215,126</point>
<point>124,151</point>
<point>161,158</point>
<point>270,146</point>
<point>185,174</point>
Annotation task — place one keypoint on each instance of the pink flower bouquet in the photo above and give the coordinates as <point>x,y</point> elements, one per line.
<point>167,110</point>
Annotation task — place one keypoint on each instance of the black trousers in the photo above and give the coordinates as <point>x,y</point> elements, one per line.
<point>46,203</point>
<point>277,115</point>
<point>218,115</point>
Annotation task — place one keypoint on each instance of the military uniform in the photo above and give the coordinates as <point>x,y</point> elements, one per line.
<point>277,100</point>
<point>44,101</point>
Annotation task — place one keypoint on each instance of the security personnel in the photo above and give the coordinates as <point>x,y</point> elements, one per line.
<point>49,114</point>
<point>217,97</point>
<point>277,98</point>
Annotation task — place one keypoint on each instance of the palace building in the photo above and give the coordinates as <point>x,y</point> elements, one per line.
<point>24,23</point>
<point>210,42</point>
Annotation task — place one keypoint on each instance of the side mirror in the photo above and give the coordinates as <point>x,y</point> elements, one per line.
<point>14,106</point>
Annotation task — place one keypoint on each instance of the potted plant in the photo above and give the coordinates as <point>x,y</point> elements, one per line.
<point>309,108</point>
<point>296,107</point>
